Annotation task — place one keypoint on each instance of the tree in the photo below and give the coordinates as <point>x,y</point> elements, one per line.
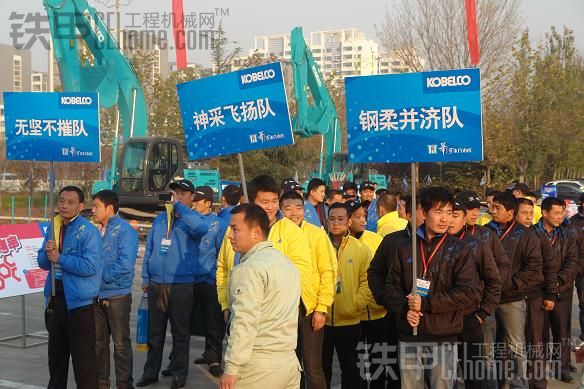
<point>432,34</point>
<point>221,54</point>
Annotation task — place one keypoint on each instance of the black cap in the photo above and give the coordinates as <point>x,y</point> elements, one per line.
<point>458,206</point>
<point>367,185</point>
<point>469,199</point>
<point>182,184</point>
<point>204,193</point>
<point>354,205</point>
<point>349,185</point>
<point>290,186</point>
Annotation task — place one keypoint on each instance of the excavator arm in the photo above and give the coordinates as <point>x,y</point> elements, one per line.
<point>318,115</point>
<point>111,75</point>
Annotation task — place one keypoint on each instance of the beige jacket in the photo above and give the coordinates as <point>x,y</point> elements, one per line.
<point>264,294</point>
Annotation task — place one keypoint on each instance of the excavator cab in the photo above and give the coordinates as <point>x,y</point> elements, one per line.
<point>147,166</point>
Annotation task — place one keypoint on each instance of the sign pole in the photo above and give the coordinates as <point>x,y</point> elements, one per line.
<point>413,227</point>
<point>52,213</point>
<point>242,174</point>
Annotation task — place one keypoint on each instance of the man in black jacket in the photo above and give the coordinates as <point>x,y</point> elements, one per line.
<point>446,280</point>
<point>524,280</point>
<point>485,303</point>
<point>539,305</point>
<point>577,223</point>
<point>487,237</point>
<point>377,277</point>
<point>563,243</point>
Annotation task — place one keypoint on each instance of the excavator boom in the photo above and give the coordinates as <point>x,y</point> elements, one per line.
<point>111,75</point>
<point>316,116</point>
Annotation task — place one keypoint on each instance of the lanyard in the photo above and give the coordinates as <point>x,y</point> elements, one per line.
<point>342,247</point>
<point>506,232</point>
<point>461,236</point>
<point>554,239</point>
<point>472,232</point>
<point>431,255</point>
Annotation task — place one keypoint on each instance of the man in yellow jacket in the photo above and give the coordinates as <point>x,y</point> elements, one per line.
<point>373,320</point>
<point>286,237</point>
<point>342,331</point>
<point>324,262</point>
<point>389,220</point>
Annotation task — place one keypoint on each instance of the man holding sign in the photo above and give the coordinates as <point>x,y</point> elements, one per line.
<point>74,247</point>
<point>446,282</point>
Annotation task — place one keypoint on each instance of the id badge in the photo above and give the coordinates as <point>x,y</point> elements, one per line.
<point>165,246</point>
<point>338,289</point>
<point>423,287</point>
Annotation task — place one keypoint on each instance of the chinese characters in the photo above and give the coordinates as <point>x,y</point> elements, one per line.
<point>410,119</point>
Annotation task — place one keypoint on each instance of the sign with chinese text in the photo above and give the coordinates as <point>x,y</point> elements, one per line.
<point>235,112</point>
<point>415,117</point>
<point>19,271</point>
<point>59,127</point>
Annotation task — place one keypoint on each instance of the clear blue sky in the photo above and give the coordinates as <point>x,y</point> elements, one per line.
<point>249,18</point>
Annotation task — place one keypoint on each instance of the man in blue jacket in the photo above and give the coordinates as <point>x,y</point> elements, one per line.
<point>206,283</point>
<point>172,252</point>
<point>230,197</point>
<point>112,315</point>
<point>73,251</point>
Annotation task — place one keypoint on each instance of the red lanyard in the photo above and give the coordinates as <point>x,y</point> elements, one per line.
<point>431,255</point>
<point>506,232</point>
<point>472,232</point>
<point>461,236</point>
<point>553,242</point>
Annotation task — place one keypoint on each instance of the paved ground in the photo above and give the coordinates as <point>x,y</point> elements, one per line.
<point>27,369</point>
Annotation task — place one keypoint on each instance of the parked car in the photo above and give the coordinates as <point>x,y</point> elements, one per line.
<point>567,190</point>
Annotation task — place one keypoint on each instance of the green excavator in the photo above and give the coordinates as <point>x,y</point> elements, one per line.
<point>148,164</point>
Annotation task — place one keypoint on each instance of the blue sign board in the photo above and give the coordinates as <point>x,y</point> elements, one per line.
<point>235,112</point>
<point>59,127</point>
<point>415,117</point>
<point>549,191</point>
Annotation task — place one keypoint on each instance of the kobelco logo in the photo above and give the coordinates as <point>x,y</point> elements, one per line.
<point>436,82</point>
<point>74,100</point>
<point>258,76</point>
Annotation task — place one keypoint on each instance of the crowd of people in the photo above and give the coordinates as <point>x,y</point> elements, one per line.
<point>292,276</point>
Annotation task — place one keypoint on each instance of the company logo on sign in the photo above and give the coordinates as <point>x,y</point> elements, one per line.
<point>258,76</point>
<point>76,100</point>
<point>432,149</point>
<point>263,137</point>
<point>462,80</point>
<point>252,78</point>
<point>437,82</point>
<point>445,149</point>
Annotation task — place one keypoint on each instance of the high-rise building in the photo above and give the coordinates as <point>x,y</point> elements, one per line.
<point>39,82</point>
<point>345,52</point>
<point>15,67</point>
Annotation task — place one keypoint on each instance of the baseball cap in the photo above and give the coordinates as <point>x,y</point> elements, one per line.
<point>182,184</point>
<point>204,193</point>
<point>354,205</point>
<point>458,206</point>
<point>349,185</point>
<point>290,186</point>
<point>367,185</point>
<point>469,199</point>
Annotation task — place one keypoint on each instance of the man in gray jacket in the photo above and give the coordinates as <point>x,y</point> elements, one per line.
<point>264,295</point>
